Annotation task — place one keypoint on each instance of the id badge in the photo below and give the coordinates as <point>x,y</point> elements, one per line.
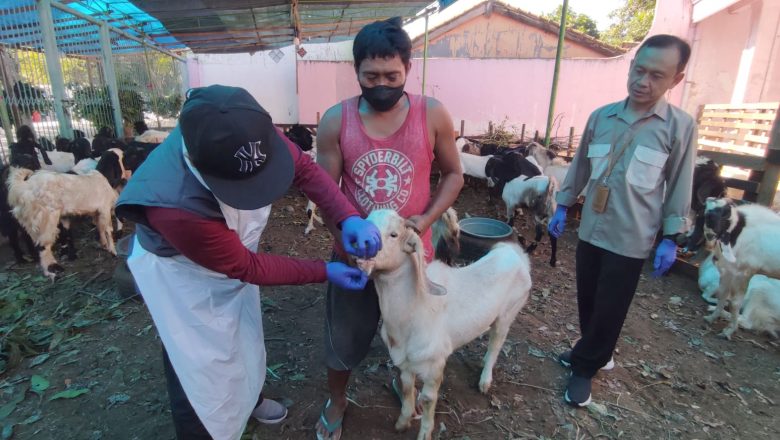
<point>600,197</point>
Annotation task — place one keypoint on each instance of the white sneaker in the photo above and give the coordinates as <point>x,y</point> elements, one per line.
<point>270,412</point>
<point>565,360</point>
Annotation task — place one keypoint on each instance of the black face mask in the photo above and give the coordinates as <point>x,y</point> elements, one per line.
<point>382,98</point>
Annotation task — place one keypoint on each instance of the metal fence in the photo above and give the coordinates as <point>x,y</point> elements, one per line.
<point>62,71</point>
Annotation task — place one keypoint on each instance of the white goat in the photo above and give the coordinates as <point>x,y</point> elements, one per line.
<point>746,242</point>
<point>474,166</point>
<point>428,311</point>
<point>762,306</point>
<point>40,199</point>
<point>61,162</point>
<point>152,136</point>
<point>709,279</point>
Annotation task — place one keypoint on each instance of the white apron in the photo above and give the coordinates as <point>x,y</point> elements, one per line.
<point>211,327</point>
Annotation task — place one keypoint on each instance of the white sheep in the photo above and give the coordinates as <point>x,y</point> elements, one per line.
<point>746,242</point>
<point>428,311</point>
<point>40,199</point>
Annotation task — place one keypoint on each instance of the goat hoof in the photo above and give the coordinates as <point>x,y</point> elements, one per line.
<point>403,423</point>
<point>484,387</point>
<point>711,318</point>
<point>726,333</point>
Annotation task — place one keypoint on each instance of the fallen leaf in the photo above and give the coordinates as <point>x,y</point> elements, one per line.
<point>117,399</point>
<point>38,360</point>
<point>39,384</point>
<point>69,394</point>
<point>600,410</point>
<point>32,419</point>
<point>8,431</point>
<point>535,352</point>
<point>298,376</point>
<point>675,300</point>
<point>9,407</point>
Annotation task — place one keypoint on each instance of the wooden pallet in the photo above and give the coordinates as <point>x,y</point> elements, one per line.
<point>744,136</point>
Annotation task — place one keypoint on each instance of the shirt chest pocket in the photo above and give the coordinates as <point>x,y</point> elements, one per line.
<point>598,154</point>
<point>644,170</point>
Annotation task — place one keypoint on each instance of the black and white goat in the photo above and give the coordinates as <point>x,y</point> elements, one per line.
<point>707,183</point>
<point>304,138</point>
<point>745,241</point>
<point>9,226</point>
<point>501,169</point>
<point>538,195</point>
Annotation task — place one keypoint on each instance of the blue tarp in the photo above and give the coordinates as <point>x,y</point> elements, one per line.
<point>20,27</point>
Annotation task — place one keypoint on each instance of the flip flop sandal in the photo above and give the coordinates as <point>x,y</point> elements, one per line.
<point>400,397</point>
<point>331,427</point>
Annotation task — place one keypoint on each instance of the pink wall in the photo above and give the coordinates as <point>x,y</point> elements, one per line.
<point>518,90</point>
<point>712,75</point>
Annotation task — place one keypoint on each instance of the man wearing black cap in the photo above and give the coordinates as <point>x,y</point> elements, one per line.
<point>200,203</point>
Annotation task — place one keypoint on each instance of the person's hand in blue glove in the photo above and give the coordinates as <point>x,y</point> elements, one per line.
<point>360,237</point>
<point>558,222</point>
<point>665,255</point>
<point>346,277</point>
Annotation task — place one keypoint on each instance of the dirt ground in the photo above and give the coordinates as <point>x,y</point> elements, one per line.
<point>675,378</point>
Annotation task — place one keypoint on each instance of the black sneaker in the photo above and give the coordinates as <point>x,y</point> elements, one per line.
<point>578,391</point>
<point>565,360</point>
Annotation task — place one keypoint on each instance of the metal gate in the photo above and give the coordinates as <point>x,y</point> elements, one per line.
<point>65,73</point>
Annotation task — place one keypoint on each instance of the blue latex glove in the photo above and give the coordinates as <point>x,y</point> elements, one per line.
<point>360,237</point>
<point>665,255</point>
<point>558,222</point>
<point>346,277</point>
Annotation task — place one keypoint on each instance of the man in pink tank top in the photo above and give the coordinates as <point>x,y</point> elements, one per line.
<point>380,145</point>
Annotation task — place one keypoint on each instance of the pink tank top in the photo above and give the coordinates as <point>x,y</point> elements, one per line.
<point>390,173</point>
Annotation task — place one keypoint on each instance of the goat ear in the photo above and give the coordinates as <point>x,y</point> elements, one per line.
<point>412,241</point>
<point>435,289</point>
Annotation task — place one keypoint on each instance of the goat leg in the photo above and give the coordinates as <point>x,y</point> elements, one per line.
<point>428,397</point>
<point>553,250</point>
<point>408,403</point>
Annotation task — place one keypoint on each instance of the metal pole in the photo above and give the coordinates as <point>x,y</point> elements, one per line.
<point>53,66</point>
<point>425,53</point>
<point>558,54</point>
<point>9,131</point>
<point>109,76</point>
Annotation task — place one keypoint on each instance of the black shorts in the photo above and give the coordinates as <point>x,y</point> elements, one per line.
<point>351,321</point>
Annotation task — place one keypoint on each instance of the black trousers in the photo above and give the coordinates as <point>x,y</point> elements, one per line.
<point>186,423</point>
<point>606,283</point>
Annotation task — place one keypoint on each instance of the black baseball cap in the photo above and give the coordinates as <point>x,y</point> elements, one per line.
<point>232,142</point>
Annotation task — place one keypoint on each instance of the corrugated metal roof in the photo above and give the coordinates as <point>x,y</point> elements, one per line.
<point>223,26</point>
<point>19,26</point>
<point>204,26</point>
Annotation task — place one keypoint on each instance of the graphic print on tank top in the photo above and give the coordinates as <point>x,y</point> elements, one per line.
<point>384,179</point>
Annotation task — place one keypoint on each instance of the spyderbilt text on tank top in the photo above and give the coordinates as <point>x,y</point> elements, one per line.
<point>388,173</point>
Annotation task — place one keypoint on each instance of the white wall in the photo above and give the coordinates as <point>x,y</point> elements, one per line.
<point>272,84</point>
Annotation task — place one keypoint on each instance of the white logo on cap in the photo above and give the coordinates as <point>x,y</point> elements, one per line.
<point>250,158</point>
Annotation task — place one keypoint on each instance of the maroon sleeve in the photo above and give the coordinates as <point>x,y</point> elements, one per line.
<point>318,186</point>
<point>211,244</point>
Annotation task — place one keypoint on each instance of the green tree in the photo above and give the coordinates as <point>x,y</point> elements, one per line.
<point>631,23</point>
<point>578,22</point>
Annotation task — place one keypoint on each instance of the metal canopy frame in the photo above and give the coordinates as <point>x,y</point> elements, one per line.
<point>227,26</point>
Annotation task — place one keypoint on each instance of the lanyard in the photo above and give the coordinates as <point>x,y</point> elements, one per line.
<point>632,131</point>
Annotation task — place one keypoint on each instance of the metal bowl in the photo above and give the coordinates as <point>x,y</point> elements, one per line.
<point>483,227</point>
